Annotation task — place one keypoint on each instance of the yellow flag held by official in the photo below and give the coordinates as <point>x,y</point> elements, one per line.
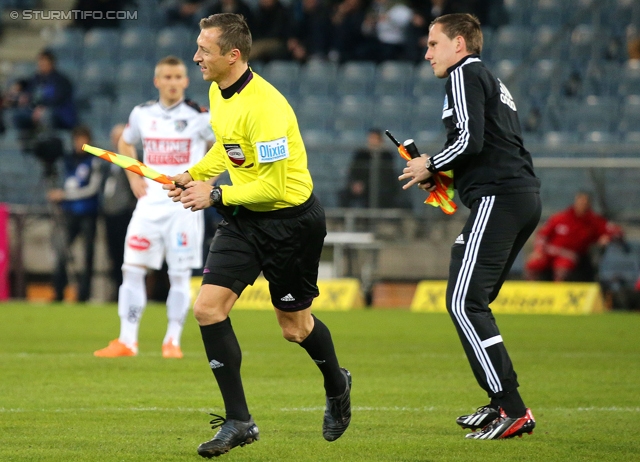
<point>442,196</point>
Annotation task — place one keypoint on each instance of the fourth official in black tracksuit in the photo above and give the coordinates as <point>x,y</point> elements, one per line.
<point>493,174</point>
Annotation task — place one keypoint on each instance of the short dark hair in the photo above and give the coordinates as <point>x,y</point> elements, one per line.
<point>81,130</point>
<point>235,32</point>
<point>48,54</point>
<point>465,25</point>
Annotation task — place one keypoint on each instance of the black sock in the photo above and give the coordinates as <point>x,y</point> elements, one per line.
<point>319,345</point>
<point>225,357</point>
<point>512,404</point>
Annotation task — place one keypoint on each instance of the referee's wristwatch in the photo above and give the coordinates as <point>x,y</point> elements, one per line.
<point>429,166</point>
<point>215,197</point>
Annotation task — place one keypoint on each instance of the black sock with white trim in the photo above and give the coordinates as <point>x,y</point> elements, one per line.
<point>225,357</point>
<point>319,345</point>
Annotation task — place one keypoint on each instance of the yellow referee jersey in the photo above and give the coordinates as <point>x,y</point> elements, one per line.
<point>258,141</point>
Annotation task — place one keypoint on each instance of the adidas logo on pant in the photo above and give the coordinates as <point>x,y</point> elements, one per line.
<point>215,364</point>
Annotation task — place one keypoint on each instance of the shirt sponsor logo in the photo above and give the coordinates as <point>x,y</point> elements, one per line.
<point>234,151</point>
<point>272,151</point>
<point>181,125</point>
<point>167,151</point>
<point>139,243</point>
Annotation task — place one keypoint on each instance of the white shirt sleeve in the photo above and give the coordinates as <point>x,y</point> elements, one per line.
<point>206,132</point>
<point>131,133</point>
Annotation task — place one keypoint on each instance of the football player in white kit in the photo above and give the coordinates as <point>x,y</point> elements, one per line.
<point>175,134</point>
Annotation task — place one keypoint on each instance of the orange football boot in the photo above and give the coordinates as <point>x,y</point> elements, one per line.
<point>171,349</point>
<point>116,349</point>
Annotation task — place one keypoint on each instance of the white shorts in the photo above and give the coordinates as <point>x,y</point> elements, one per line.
<point>170,232</point>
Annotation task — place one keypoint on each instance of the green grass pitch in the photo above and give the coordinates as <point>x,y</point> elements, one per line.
<point>580,376</point>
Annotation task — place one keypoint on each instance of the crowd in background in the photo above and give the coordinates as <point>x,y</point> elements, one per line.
<point>339,30</point>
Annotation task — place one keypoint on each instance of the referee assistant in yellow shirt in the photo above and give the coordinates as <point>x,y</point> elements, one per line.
<point>273,223</point>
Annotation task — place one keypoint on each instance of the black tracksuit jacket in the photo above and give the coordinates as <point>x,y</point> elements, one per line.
<point>484,145</point>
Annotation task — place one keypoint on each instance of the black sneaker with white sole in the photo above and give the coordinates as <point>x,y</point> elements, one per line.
<point>232,433</point>
<point>337,414</point>
<point>483,416</point>
<point>506,427</point>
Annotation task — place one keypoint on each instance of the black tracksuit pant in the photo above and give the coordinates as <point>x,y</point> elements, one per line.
<point>481,258</point>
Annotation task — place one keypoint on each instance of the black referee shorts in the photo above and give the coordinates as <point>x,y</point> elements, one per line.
<point>285,245</point>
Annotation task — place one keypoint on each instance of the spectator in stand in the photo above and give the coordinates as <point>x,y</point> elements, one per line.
<point>100,18</point>
<point>270,31</point>
<point>348,41</point>
<point>372,178</point>
<point>387,22</point>
<point>79,201</point>
<point>563,243</point>
<point>311,30</point>
<point>182,12</point>
<point>118,204</point>
<point>231,6</point>
<point>44,101</point>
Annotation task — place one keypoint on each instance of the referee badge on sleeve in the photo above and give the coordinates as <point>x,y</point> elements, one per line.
<point>234,151</point>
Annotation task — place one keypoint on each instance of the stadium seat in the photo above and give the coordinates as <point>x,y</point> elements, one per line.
<point>317,139</point>
<point>425,138</point>
<point>427,84</point>
<point>426,115</point>
<point>545,42</point>
<point>556,139</point>
<point>630,119</point>
<point>594,113</point>
<point>95,80</point>
<point>21,70</point>
<point>632,137</point>
<point>67,44</point>
<point>356,78</point>
<point>393,78</point>
<point>136,79</point>
<point>139,44</point>
<point>622,188</point>
<point>100,114</point>
<point>601,78</point>
<point>505,70</point>
<point>176,41</point>
<point>393,113</point>
<point>542,79</point>
<point>630,79</point>
<point>618,267</point>
<point>582,45</point>
<point>599,137</point>
<point>101,44</point>
<point>353,113</point>
<point>621,13</point>
<point>315,113</point>
<point>549,12</point>
<point>511,42</point>
<point>120,111</point>
<point>283,75</point>
<point>318,78</point>
<point>518,11</point>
